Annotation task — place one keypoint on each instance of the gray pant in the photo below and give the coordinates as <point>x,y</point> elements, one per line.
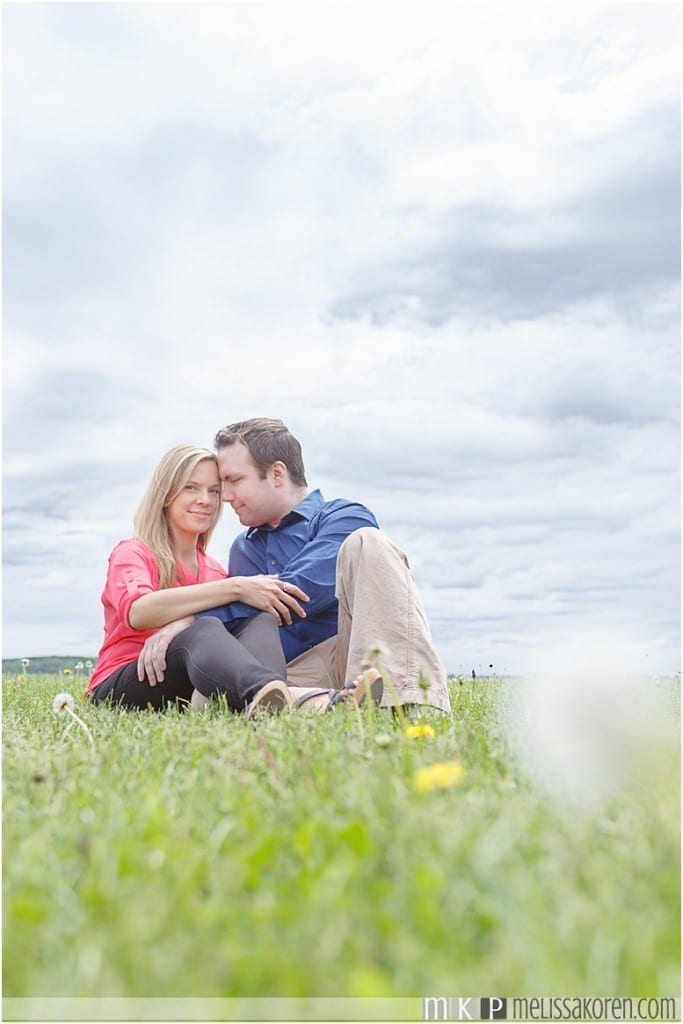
<point>208,657</point>
<point>379,607</point>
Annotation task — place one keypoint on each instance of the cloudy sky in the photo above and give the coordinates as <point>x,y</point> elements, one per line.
<point>441,241</point>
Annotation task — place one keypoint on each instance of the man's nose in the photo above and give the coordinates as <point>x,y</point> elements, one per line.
<point>226,492</point>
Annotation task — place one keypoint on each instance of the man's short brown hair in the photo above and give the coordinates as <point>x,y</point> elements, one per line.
<point>268,441</point>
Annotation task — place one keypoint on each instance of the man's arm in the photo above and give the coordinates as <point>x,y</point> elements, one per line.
<point>309,563</point>
<point>313,567</point>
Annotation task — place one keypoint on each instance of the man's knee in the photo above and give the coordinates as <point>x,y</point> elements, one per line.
<point>368,541</point>
<point>367,536</point>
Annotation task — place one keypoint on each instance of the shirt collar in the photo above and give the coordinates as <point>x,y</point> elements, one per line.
<point>306,509</point>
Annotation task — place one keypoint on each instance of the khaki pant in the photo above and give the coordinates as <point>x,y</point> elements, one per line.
<point>379,607</point>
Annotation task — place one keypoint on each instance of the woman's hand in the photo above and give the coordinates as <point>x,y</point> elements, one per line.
<point>152,659</point>
<point>271,594</point>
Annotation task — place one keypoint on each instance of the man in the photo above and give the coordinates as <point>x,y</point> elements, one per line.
<point>362,595</point>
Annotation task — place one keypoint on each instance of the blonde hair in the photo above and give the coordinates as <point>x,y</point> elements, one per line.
<point>151,522</point>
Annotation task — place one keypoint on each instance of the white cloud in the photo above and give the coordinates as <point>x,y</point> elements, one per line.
<point>441,242</point>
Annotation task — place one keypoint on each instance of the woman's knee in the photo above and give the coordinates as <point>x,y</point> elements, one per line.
<point>204,627</point>
<point>199,640</point>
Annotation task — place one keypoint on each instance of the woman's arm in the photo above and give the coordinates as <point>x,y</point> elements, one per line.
<point>161,606</point>
<point>152,610</point>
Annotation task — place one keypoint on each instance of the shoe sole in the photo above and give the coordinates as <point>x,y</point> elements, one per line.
<point>375,689</point>
<point>271,699</point>
<point>199,701</point>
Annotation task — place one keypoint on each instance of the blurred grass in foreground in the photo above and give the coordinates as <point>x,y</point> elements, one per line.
<point>199,855</point>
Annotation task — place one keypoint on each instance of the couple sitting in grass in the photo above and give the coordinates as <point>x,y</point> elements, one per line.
<point>311,586</point>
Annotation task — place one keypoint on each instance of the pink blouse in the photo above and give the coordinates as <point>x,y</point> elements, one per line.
<point>132,572</point>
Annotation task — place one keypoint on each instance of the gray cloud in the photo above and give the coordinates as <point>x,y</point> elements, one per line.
<point>622,232</point>
<point>445,250</point>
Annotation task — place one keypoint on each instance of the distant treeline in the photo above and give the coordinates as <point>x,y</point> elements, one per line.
<point>53,664</point>
<point>47,665</point>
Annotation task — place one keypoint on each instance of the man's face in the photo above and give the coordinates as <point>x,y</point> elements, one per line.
<point>253,499</point>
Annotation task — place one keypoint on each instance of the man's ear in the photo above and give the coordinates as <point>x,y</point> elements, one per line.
<point>279,472</point>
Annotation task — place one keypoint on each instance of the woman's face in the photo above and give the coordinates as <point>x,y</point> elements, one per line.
<point>193,511</point>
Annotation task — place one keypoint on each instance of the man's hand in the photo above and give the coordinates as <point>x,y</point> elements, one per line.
<point>152,660</point>
<point>271,594</point>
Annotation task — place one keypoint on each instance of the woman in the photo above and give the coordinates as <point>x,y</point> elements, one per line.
<point>164,576</point>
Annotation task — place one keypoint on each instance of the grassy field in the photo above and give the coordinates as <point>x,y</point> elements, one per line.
<point>200,855</point>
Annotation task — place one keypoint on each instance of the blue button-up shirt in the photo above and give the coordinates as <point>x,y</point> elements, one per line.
<point>302,549</point>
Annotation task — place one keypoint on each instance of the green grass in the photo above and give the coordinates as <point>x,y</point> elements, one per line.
<point>200,855</point>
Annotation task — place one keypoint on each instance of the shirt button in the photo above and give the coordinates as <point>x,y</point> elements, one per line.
<point>273,562</point>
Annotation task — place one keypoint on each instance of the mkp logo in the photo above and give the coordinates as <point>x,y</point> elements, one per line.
<point>465,1008</point>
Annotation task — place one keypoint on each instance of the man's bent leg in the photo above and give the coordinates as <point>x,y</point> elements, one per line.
<point>379,604</point>
<point>316,666</point>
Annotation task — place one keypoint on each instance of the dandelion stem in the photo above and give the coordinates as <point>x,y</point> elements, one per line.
<point>80,721</point>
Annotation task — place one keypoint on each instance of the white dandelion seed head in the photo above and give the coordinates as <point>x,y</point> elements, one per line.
<point>376,653</point>
<point>62,702</point>
<point>589,722</point>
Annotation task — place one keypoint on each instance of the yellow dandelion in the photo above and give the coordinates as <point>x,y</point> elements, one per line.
<point>414,732</point>
<point>67,671</point>
<point>442,775</point>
